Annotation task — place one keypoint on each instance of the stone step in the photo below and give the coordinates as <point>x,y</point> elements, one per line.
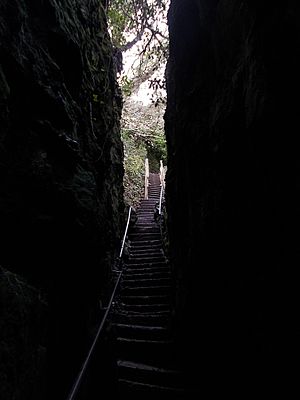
<point>146,308</point>
<point>139,300</point>
<point>147,207</point>
<point>145,259</point>
<point>143,229</point>
<point>138,237</point>
<point>143,225</point>
<point>150,204</point>
<point>149,374</point>
<point>146,262</point>
<point>145,290</point>
<point>140,262</point>
<point>145,273</point>
<point>146,282</point>
<point>154,254</point>
<point>165,273</point>
<point>148,212</point>
<point>146,243</point>
<point>144,201</point>
<point>143,250</point>
<point>149,235</point>
<point>141,331</point>
<point>161,319</point>
<point>146,216</point>
<point>146,251</point>
<point>146,220</point>
<point>156,352</point>
<point>142,269</point>
<point>144,391</point>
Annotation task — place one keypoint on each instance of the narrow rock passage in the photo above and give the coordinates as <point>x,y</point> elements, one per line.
<point>145,347</point>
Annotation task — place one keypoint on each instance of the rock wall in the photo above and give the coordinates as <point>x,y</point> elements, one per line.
<point>61,196</point>
<point>22,337</point>
<point>232,126</point>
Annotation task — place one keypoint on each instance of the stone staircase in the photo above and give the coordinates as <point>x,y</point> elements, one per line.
<point>141,319</point>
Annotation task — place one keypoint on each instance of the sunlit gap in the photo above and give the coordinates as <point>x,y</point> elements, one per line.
<point>139,34</point>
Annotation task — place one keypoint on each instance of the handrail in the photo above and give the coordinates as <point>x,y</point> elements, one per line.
<point>146,178</point>
<point>77,384</point>
<point>160,199</point>
<point>125,234</point>
<point>162,173</point>
<point>162,185</point>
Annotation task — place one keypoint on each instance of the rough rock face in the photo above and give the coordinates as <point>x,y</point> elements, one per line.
<point>22,338</point>
<point>233,185</point>
<point>61,162</point>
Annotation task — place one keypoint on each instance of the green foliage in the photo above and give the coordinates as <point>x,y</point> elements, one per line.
<point>143,24</point>
<point>126,85</point>
<point>133,17</point>
<point>143,136</point>
<point>118,22</point>
<point>135,153</point>
<point>156,150</point>
<point>136,149</point>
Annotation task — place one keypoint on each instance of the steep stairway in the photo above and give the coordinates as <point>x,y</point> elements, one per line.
<point>146,351</point>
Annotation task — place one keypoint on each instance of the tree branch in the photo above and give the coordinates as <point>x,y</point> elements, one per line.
<point>130,44</point>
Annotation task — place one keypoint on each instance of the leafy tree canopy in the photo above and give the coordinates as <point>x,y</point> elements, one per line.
<point>150,132</point>
<point>141,24</point>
